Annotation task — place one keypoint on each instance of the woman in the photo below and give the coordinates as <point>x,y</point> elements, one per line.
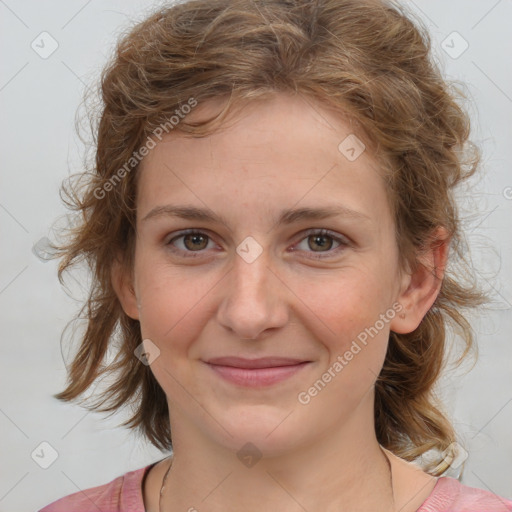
<point>278,275</point>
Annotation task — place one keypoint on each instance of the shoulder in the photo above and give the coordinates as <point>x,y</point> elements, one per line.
<point>449,495</point>
<point>124,493</point>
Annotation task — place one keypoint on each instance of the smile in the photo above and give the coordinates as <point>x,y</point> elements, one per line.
<point>256,373</point>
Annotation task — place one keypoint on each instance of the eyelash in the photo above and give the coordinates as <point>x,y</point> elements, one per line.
<point>318,232</point>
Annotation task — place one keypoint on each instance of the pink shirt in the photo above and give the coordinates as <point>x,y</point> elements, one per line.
<point>124,494</point>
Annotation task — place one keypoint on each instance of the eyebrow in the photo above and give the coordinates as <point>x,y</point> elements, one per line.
<point>288,216</point>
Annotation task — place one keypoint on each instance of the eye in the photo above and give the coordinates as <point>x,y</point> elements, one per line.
<point>193,243</point>
<point>320,240</point>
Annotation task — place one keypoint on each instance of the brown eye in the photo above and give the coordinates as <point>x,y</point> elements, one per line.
<point>195,241</point>
<point>191,243</point>
<point>321,242</point>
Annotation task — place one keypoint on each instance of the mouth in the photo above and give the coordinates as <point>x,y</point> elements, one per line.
<point>256,372</point>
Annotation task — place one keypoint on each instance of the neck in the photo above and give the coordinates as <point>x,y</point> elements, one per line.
<point>344,470</point>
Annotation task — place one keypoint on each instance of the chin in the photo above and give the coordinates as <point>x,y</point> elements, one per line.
<point>262,426</point>
<point>247,442</point>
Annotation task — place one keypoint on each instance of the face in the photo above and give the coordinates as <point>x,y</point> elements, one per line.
<point>251,282</point>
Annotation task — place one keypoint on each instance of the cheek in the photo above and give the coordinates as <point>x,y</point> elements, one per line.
<point>351,318</point>
<point>349,302</point>
<point>172,303</point>
<point>355,344</point>
<point>172,315</point>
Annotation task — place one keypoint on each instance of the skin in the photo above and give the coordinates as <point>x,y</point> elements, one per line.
<point>321,456</point>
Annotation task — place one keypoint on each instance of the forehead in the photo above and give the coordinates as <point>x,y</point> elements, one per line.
<point>276,152</point>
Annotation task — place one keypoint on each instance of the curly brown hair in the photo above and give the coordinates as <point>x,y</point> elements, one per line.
<point>367,60</point>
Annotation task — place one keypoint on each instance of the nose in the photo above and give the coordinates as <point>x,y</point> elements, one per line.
<point>253,298</point>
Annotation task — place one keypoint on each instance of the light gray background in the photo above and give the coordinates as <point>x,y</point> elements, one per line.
<point>39,147</point>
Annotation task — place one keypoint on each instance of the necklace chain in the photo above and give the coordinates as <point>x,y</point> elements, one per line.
<point>386,457</point>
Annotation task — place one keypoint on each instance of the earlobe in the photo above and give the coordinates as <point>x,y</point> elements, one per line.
<point>422,286</point>
<point>123,286</point>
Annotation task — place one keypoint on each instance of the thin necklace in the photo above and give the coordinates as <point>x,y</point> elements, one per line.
<point>163,487</point>
<point>385,456</point>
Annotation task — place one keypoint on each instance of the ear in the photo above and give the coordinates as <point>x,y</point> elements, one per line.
<point>421,288</point>
<point>122,282</point>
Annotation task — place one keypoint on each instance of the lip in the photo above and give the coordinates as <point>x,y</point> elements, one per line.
<point>262,362</point>
<point>256,372</point>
